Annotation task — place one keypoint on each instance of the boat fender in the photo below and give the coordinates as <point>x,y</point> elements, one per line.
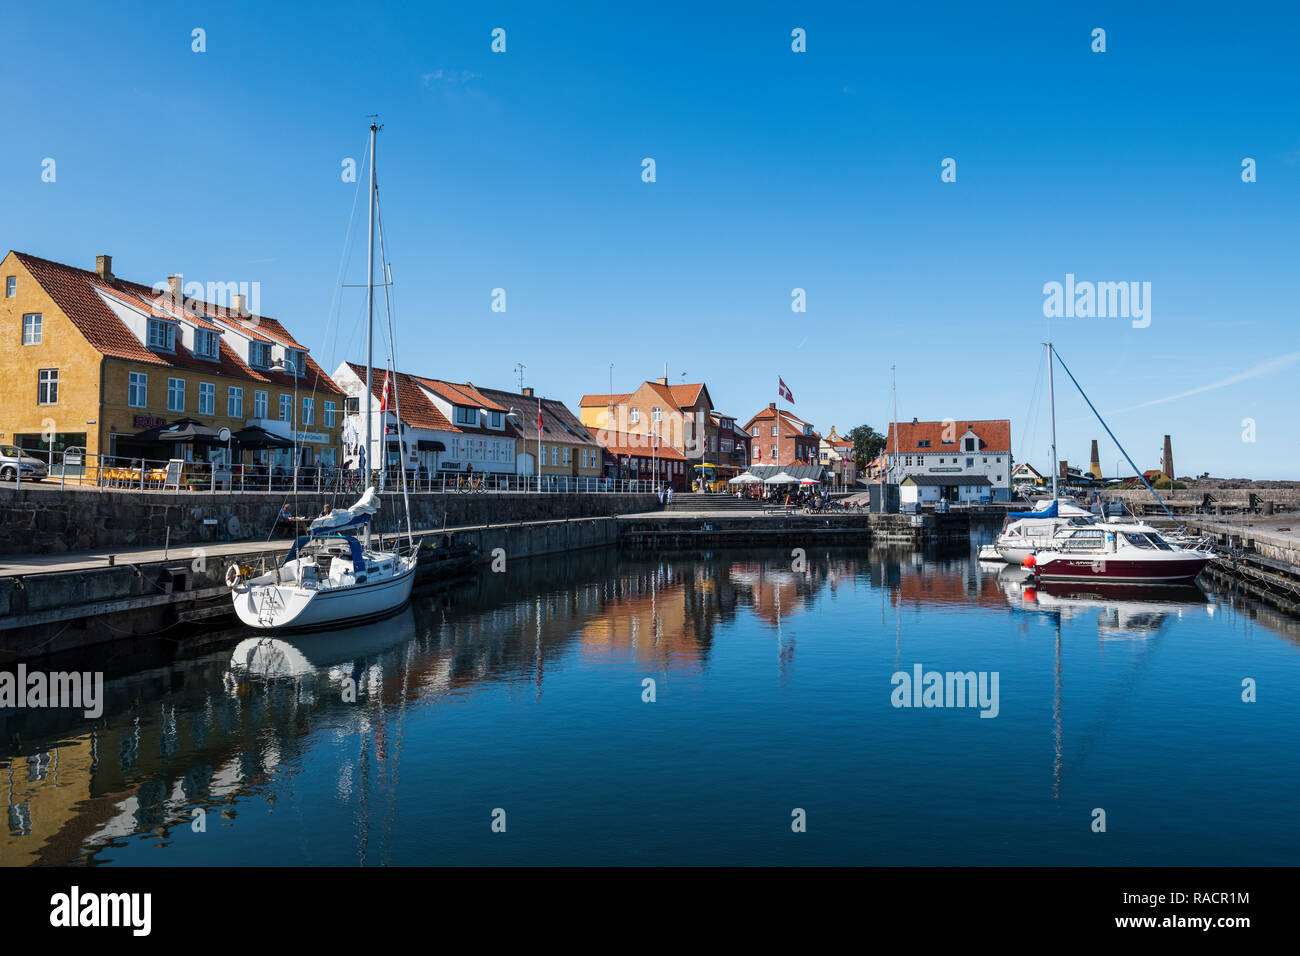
<point>233,576</point>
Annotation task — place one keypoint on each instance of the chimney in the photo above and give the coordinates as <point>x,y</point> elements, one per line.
<point>1063,471</point>
<point>175,288</point>
<point>662,380</point>
<point>528,391</point>
<point>772,405</point>
<point>1094,462</point>
<point>104,267</point>
<point>1167,466</point>
<point>914,421</point>
<point>239,305</point>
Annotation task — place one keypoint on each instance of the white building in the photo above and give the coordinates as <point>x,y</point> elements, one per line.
<point>928,489</point>
<point>954,451</point>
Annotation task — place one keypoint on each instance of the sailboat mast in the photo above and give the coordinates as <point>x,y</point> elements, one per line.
<point>1051,401</point>
<point>370,315</point>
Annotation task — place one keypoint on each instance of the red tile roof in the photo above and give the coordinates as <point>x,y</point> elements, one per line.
<point>994,435</point>
<point>466,395</point>
<point>74,292</point>
<point>420,411</point>
<point>591,401</point>
<point>788,419</point>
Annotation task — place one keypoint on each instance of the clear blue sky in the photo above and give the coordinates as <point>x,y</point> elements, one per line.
<point>775,170</point>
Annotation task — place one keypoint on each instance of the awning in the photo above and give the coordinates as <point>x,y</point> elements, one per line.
<point>425,444</point>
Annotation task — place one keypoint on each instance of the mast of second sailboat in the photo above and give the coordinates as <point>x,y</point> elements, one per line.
<point>370,321</point>
<point>1051,403</point>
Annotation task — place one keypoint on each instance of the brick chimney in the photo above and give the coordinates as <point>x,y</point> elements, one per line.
<point>175,288</point>
<point>239,305</point>
<point>104,267</point>
<point>1167,465</point>
<point>527,392</point>
<point>1094,462</point>
<point>662,379</point>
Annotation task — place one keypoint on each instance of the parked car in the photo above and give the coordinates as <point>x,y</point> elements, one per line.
<point>13,461</point>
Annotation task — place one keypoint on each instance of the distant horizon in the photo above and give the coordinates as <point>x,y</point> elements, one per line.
<point>1156,183</point>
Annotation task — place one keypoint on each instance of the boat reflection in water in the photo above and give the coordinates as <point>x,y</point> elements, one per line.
<point>337,654</point>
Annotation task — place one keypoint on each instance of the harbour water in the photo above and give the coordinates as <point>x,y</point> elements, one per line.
<point>521,699</point>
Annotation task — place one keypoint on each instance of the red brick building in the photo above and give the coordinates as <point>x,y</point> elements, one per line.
<point>779,437</point>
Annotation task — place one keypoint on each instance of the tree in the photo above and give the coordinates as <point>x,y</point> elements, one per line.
<point>867,444</point>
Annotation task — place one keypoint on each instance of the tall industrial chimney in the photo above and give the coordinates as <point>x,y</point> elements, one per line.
<point>1167,465</point>
<point>1094,463</point>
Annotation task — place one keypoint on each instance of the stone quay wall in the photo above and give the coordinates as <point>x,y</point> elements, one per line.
<point>43,520</point>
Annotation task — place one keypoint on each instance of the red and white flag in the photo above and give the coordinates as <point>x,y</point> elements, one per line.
<point>539,417</point>
<point>383,401</point>
<point>783,390</point>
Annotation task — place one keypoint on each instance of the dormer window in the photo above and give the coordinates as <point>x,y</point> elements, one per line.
<point>466,416</point>
<point>162,335</point>
<point>496,420</point>
<point>923,443</point>
<point>259,354</point>
<point>206,344</point>
<point>298,359</point>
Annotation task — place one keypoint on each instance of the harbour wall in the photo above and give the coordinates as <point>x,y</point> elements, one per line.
<point>45,520</point>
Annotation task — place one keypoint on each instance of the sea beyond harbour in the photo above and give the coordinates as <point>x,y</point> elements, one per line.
<point>726,707</point>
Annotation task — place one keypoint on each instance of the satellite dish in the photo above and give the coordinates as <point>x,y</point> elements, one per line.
<point>224,434</point>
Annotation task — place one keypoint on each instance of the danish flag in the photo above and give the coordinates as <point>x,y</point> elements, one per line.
<point>383,402</point>
<point>783,390</point>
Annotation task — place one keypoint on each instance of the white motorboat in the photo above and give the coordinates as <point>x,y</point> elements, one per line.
<point>1027,531</point>
<point>330,578</point>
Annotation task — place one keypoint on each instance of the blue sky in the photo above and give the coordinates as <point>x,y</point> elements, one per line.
<point>775,170</point>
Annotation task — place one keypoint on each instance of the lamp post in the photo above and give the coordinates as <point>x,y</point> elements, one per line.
<point>285,365</point>
<point>518,416</point>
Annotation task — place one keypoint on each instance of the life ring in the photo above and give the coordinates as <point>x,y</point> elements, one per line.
<point>233,576</point>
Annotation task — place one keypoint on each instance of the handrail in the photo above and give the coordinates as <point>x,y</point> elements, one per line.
<point>107,473</point>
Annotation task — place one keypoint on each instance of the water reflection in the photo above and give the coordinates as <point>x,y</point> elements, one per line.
<point>252,722</point>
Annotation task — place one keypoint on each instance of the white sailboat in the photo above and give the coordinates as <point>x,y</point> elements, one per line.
<point>330,577</point>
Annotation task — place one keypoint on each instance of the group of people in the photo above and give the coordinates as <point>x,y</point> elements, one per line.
<point>666,494</point>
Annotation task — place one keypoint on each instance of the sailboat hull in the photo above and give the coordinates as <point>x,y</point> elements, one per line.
<point>290,607</point>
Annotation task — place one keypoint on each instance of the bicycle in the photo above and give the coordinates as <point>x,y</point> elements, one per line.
<point>467,486</point>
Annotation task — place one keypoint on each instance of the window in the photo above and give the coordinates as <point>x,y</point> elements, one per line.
<point>297,359</point>
<point>259,404</point>
<point>286,407</point>
<point>566,456</point>
<point>137,390</point>
<point>909,461</point>
<point>351,405</point>
<point>970,444</point>
<point>773,431</point>
<point>999,459</point>
<point>634,415</point>
<point>758,453</point>
<point>466,416</point>
<point>235,402</point>
<point>259,354</point>
<point>986,461</point>
<point>47,386</point>
<point>175,394</point>
<point>308,411</point>
<point>206,344</point>
<point>774,453</point>
<point>726,444</point>
<point>656,414</point>
<point>755,431</point>
<point>328,415</point>
<point>923,443</point>
<point>207,398</point>
<point>555,454</point>
<point>162,335</point>
<point>496,420</point>
<point>970,462</point>
<point>11,286</point>
<point>541,453</point>
<point>32,328</point>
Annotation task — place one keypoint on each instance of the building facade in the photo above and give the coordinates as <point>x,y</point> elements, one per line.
<point>679,415</point>
<point>781,438</point>
<point>836,453</point>
<point>953,450</point>
<point>564,447</point>
<point>90,360</point>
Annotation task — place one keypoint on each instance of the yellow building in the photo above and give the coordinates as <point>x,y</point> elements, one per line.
<point>90,360</point>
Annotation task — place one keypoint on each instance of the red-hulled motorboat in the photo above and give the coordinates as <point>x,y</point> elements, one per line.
<point>1115,553</point>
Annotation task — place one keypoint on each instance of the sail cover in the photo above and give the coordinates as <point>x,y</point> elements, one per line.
<point>340,519</point>
<point>1049,512</point>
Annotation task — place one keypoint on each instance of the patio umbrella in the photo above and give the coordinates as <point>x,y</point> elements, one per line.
<point>254,438</point>
<point>184,430</point>
<point>781,479</point>
<point>809,481</point>
<point>745,479</point>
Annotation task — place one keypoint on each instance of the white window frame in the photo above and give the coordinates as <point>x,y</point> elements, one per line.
<point>286,407</point>
<point>234,401</point>
<point>47,386</point>
<point>36,327</point>
<point>261,404</point>
<point>11,286</point>
<point>466,416</point>
<point>137,390</point>
<point>328,414</point>
<point>207,398</point>
<point>308,410</point>
<point>167,339</point>
<point>634,416</point>
<point>175,389</point>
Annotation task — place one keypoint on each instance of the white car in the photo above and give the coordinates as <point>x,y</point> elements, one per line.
<point>13,461</point>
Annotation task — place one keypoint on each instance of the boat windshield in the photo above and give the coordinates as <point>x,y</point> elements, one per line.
<point>1138,540</point>
<point>1160,542</point>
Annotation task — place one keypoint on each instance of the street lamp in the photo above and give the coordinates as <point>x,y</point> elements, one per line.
<point>518,416</point>
<point>285,365</point>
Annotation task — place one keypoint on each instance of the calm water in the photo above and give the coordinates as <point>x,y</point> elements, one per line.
<point>773,689</point>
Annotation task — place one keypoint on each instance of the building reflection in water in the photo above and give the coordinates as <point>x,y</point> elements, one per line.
<point>220,729</point>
